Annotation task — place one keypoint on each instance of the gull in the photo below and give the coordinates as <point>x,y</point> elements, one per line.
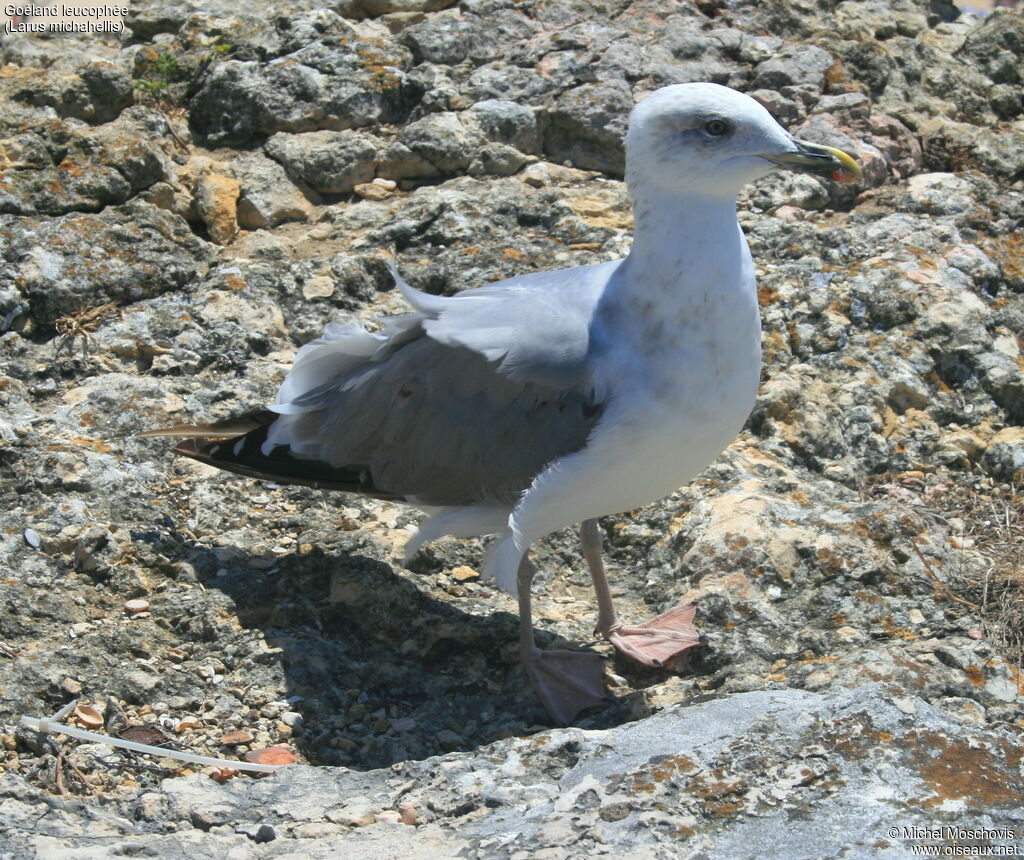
<point>553,398</point>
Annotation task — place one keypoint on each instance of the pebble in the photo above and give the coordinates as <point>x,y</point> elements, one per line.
<point>463,573</point>
<point>236,738</point>
<point>71,686</point>
<point>266,833</point>
<point>134,607</point>
<point>271,755</point>
<point>388,816</point>
<point>790,214</point>
<point>407,812</point>
<point>292,719</point>
<point>370,191</point>
<point>32,538</point>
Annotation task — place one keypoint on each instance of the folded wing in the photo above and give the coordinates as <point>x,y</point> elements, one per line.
<point>462,402</point>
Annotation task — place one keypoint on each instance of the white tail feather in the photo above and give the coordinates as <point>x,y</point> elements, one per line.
<point>502,564</point>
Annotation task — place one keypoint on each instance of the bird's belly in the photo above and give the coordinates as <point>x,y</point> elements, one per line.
<point>659,465</point>
<point>665,436</point>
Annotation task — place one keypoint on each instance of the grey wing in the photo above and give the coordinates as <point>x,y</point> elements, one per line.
<point>465,401</point>
<point>535,327</point>
<point>441,425</point>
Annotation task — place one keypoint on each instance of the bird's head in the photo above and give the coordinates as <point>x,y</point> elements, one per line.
<point>712,140</point>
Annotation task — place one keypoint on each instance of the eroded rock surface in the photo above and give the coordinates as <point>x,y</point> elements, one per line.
<point>181,210</point>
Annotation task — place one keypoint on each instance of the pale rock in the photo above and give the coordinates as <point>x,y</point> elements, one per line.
<point>216,199</point>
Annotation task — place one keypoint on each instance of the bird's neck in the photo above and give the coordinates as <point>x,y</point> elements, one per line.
<point>683,236</point>
<point>684,299</point>
<point>688,279</point>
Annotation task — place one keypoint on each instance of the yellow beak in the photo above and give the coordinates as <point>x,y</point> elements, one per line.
<point>817,159</point>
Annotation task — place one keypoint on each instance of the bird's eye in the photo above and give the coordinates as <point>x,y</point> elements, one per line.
<point>717,127</point>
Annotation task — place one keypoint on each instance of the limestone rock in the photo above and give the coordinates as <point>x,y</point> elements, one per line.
<point>331,162</point>
<point>216,200</point>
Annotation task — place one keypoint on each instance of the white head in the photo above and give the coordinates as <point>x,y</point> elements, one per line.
<point>712,140</point>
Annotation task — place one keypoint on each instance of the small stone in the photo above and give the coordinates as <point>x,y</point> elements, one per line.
<point>315,830</point>
<point>371,191</point>
<point>71,686</point>
<point>790,214</point>
<point>407,813</point>
<point>464,573</point>
<point>975,633</point>
<point>271,755</point>
<point>536,175</point>
<point>266,833</point>
<point>916,616</point>
<point>236,738</point>
<point>134,607</point>
<point>292,719</point>
<point>386,184</point>
<point>388,816</point>
<point>32,538</point>
<point>357,812</point>
<point>318,287</point>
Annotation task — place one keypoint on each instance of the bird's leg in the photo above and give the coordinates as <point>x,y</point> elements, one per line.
<point>661,640</point>
<point>566,681</point>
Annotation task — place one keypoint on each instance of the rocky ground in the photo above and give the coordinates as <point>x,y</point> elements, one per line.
<point>186,204</point>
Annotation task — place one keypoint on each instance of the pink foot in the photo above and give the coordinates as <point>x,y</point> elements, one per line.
<point>659,642</point>
<point>567,682</point>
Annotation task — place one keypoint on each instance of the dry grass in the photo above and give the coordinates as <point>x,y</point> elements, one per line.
<point>81,325</point>
<point>983,522</point>
<point>993,528</point>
